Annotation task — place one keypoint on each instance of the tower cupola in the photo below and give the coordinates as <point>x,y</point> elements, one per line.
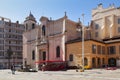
<point>30,17</point>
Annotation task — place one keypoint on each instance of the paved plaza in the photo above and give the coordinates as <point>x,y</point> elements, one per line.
<point>94,74</point>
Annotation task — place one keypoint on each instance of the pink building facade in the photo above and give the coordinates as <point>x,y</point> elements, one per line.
<point>46,41</point>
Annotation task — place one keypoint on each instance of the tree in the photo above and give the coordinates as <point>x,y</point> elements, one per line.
<point>9,54</point>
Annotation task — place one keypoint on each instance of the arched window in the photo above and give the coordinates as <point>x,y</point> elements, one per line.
<point>71,57</point>
<point>33,26</point>
<point>43,30</point>
<point>33,55</point>
<point>112,62</point>
<point>58,51</point>
<point>85,61</point>
<point>99,62</point>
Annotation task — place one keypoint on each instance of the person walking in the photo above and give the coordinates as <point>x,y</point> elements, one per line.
<point>13,69</point>
<point>43,67</point>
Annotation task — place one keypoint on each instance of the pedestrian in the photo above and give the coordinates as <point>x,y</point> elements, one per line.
<point>43,67</point>
<point>13,69</point>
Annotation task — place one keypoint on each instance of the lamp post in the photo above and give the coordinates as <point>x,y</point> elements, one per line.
<point>82,32</point>
<point>83,44</point>
<point>14,58</point>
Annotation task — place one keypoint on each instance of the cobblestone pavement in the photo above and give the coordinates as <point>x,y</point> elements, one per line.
<point>94,74</point>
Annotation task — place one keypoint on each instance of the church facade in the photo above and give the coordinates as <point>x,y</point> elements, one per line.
<point>47,41</point>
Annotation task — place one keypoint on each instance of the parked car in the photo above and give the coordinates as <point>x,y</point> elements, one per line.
<point>87,67</point>
<point>53,66</point>
<point>111,68</point>
<point>18,67</point>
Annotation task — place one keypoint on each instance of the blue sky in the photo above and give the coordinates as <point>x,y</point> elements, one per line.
<point>20,9</point>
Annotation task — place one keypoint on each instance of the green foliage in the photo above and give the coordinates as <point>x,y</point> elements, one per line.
<point>9,53</point>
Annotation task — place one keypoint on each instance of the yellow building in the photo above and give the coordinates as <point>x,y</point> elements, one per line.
<point>94,53</point>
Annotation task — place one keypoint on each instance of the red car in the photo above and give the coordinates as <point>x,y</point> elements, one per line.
<point>111,68</point>
<point>52,65</point>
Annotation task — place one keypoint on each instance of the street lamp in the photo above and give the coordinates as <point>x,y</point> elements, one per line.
<point>83,43</point>
<point>82,31</point>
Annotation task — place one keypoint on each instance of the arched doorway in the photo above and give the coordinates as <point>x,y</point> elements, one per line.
<point>93,62</point>
<point>112,62</point>
<point>85,61</point>
<point>99,62</point>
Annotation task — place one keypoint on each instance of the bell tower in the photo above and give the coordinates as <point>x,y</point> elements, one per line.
<point>30,22</point>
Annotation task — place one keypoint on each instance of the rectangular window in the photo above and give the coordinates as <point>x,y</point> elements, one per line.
<point>97,26</point>
<point>1,53</point>
<point>1,30</point>
<point>1,35</point>
<point>118,20</point>
<point>112,50</point>
<point>118,29</point>
<point>1,41</point>
<point>70,57</point>
<point>103,49</point>
<point>1,47</point>
<point>99,49</point>
<point>93,49</point>
<point>96,34</point>
<point>33,55</point>
<point>119,49</point>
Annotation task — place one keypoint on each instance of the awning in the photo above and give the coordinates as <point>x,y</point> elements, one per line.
<point>48,61</point>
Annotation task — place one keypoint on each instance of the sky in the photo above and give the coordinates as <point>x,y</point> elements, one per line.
<point>20,9</point>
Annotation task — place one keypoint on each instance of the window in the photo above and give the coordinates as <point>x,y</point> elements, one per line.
<point>112,50</point>
<point>93,48</point>
<point>33,26</point>
<point>96,34</point>
<point>1,47</point>
<point>97,26</point>
<point>1,41</point>
<point>58,51</point>
<point>9,30</point>
<point>99,49</point>
<point>1,35</point>
<point>43,30</point>
<point>9,42</point>
<point>1,30</point>
<point>70,57</point>
<point>103,49</point>
<point>44,55</point>
<point>33,55</point>
<point>118,29</point>
<point>1,53</point>
<point>118,20</point>
<point>119,49</point>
